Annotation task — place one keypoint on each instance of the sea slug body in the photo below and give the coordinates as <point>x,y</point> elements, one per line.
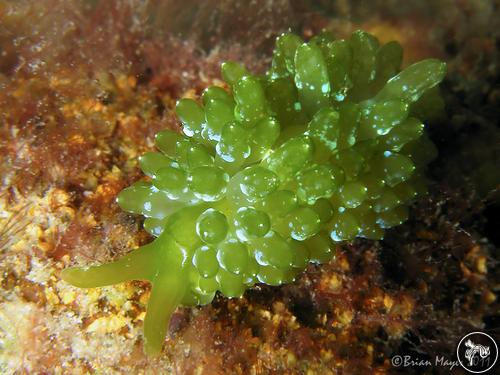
<point>270,174</point>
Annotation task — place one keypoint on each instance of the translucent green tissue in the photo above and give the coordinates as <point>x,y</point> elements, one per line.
<point>273,171</point>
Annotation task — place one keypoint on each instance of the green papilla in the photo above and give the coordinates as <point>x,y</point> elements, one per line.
<point>269,175</point>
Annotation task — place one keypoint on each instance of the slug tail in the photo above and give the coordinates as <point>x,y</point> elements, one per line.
<point>167,292</point>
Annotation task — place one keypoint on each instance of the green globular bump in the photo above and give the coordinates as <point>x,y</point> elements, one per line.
<point>250,274</point>
<point>182,149</point>
<point>414,81</point>
<point>251,223</point>
<point>338,54</point>
<point>389,58</point>
<point>409,130</point>
<point>201,297</point>
<point>368,223</point>
<point>324,209</point>
<point>396,168</point>
<point>301,254</point>
<point>364,48</point>
<point>275,171</point>
<point>284,102</point>
<point>212,226</point>
<point>367,148</point>
<point>250,99</point>
<point>272,250</point>
<point>133,198</point>
<point>230,284</point>
<point>192,117</point>
<point>387,201</point>
<point>271,275</point>
<point>257,182</point>
<point>396,216</point>
<point>166,142</point>
<point>233,145</point>
<point>323,38</point>
<point>199,156</point>
<point>218,113</point>
<point>316,182</point>
<point>303,222</point>
<point>290,157</point>
<point>232,255</point>
<point>321,249</point>
<point>374,184</point>
<point>350,161</point>
<point>208,285</point>
<point>173,181</point>
<point>311,78</point>
<point>266,132</point>
<point>345,226</point>
<point>213,93</point>
<point>205,261</point>
<point>364,59</point>
<point>145,199</point>
<point>283,59</point>
<point>279,203</point>
<point>324,128</point>
<point>182,226</point>
<point>350,115</point>
<point>232,72</point>
<point>380,118</point>
<point>352,194</point>
<point>151,162</point>
<point>208,183</point>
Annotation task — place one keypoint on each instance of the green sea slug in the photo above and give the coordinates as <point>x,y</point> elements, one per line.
<point>271,173</point>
